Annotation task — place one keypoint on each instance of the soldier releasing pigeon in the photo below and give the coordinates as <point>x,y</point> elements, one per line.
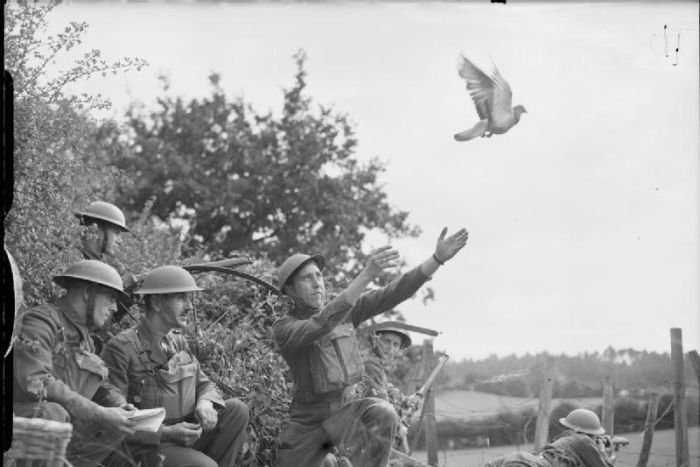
<point>492,98</point>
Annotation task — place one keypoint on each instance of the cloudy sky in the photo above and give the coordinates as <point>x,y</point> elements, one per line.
<point>583,219</point>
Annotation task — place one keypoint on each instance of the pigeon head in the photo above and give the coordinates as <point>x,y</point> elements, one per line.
<point>517,110</point>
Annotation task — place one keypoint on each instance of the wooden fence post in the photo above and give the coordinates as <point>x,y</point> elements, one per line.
<point>608,406</point>
<point>430,428</point>
<point>648,430</point>
<point>680,416</point>
<point>542,429</point>
<point>695,361</point>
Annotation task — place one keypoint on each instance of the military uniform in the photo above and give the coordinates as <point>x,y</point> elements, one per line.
<point>321,350</point>
<point>572,449</point>
<point>156,370</point>
<point>58,376</point>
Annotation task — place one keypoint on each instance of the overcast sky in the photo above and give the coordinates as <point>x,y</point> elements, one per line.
<point>583,219</point>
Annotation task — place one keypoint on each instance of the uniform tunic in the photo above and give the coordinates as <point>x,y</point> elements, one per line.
<point>320,348</point>
<point>58,376</point>
<point>159,370</point>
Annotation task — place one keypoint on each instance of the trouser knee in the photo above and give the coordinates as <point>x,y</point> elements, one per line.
<point>383,413</point>
<point>235,410</point>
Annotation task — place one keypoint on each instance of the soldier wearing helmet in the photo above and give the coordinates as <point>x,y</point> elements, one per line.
<point>109,222</point>
<point>582,444</point>
<point>317,340</point>
<point>57,375</point>
<point>153,366</point>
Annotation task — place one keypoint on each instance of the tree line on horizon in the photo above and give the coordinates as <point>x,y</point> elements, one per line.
<point>631,371</point>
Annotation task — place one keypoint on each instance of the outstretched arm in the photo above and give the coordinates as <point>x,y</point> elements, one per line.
<point>379,301</point>
<point>291,334</point>
<point>445,249</point>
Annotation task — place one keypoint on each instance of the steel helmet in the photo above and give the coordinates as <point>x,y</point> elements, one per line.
<point>105,212</point>
<point>389,327</point>
<point>94,271</point>
<point>293,264</point>
<point>583,420</point>
<point>167,279</point>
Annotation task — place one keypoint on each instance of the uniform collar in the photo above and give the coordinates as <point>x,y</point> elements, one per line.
<point>88,253</point>
<point>149,332</point>
<point>304,311</point>
<point>70,316</point>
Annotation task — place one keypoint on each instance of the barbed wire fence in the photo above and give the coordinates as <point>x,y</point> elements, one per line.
<point>484,419</point>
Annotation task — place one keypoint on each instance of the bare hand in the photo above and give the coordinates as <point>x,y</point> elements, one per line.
<point>446,248</point>
<point>206,415</point>
<point>381,259</point>
<point>114,419</point>
<point>183,433</point>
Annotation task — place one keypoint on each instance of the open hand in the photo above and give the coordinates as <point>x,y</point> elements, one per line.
<point>446,248</point>
<point>381,259</point>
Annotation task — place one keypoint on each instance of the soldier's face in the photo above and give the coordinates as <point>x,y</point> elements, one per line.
<point>176,309</point>
<point>308,285</point>
<point>105,305</point>
<point>391,342</point>
<point>111,239</point>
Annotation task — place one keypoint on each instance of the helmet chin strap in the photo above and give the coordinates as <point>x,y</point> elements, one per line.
<point>103,246</point>
<point>90,316</point>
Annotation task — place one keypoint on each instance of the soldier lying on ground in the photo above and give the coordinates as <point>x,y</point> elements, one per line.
<point>57,375</point>
<point>152,364</point>
<point>583,445</point>
<point>317,340</point>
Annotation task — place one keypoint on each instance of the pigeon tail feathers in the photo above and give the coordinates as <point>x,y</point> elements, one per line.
<point>477,130</point>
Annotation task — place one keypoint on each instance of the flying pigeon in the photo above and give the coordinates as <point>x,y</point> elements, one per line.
<point>492,98</point>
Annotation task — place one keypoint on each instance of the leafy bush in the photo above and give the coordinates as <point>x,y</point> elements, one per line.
<point>233,342</point>
<point>54,141</point>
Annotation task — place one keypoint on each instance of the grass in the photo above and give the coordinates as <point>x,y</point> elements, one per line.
<point>662,452</point>
<point>473,405</point>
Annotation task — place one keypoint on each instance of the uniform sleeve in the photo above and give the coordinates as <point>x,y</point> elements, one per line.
<point>206,388</point>
<point>292,334</point>
<point>33,367</point>
<point>376,302</point>
<point>116,358</point>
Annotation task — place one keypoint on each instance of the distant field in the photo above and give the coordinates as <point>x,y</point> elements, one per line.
<point>662,452</point>
<point>472,405</point>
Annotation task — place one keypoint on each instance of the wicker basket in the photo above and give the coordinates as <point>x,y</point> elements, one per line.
<point>38,438</point>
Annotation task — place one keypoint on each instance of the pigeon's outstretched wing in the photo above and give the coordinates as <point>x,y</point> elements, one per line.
<point>502,95</point>
<point>480,86</point>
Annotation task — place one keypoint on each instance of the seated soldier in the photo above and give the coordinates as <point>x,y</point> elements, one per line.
<point>153,365</point>
<point>102,244</point>
<point>57,375</point>
<point>386,343</point>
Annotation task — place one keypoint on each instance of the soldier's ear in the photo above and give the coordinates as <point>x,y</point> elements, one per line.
<point>157,302</point>
<point>87,291</point>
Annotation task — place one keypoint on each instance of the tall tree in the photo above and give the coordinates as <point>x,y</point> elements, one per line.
<point>259,183</point>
